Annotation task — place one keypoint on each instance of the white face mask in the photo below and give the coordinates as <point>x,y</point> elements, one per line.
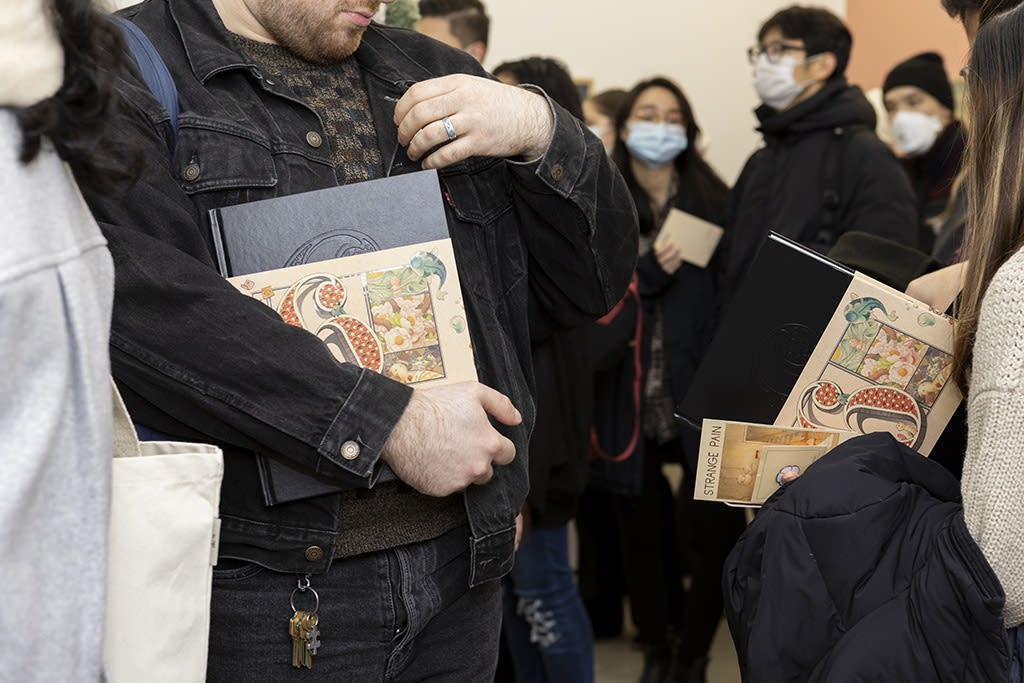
<point>775,83</point>
<point>916,132</point>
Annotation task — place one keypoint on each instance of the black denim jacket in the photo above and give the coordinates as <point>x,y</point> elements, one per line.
<point>540,246</point>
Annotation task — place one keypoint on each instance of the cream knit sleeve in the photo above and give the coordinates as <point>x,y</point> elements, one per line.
<point>993,477</point>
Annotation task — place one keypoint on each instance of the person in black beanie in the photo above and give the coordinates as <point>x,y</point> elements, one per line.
<point>929,138</point>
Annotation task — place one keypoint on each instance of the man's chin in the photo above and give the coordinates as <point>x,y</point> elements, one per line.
<point>327,53</point>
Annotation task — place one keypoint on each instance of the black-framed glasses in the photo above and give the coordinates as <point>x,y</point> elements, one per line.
<point>773,51</point>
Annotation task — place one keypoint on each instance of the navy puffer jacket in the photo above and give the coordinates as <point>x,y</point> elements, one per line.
<point>863,570</point>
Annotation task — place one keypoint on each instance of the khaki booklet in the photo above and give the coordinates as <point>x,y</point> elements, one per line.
<point>744,464</point>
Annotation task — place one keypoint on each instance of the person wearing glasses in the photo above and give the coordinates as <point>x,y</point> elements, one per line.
<point>822,171</point>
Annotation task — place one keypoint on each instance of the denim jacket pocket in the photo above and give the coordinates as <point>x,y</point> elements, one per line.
<point>479,203</point>
<point>214,155</point>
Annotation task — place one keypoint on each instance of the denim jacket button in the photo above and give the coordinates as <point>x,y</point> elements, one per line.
<point>314,553</point>
<point>350,450</point>
<point>314,139</point>
<point>557,172</point>
<point>192,172</point>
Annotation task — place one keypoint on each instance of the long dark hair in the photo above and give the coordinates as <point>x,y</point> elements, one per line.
<point>698,182</point>
<point>994,169</point>
<point>77,120</point>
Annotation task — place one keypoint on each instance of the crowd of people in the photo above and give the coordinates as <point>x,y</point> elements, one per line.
<point>445,553</point>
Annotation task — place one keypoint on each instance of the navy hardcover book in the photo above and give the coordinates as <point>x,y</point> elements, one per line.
<point>328,224</point>
<point>767,335</point>
<point>317,226</point>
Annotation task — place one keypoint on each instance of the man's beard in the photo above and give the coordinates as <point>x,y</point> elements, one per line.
<point>308,34</point>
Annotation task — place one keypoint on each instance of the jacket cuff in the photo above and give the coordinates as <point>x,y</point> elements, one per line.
<point>357,435</point>
<point>561,165</point>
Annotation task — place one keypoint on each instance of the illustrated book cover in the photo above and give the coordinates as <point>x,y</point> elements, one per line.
<point>883,363</point>
<point>369,269</point>
<point>743,464</point>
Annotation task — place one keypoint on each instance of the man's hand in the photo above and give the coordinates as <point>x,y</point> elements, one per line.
<point>939,289</point>
<point>444,441</point>
<point>489,118</point>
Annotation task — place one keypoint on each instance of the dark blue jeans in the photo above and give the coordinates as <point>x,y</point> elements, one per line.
<point>545,625</point>
<point>405,614</point>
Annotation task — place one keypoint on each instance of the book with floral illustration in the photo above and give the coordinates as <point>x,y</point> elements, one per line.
<point>743,464</point>
<point>368,268</point>
<point>398,312</point>
<point>883,364</point>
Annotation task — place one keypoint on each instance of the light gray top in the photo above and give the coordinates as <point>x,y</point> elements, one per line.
<point>56,291</point>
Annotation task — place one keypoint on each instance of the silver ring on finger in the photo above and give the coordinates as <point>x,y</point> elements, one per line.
<point>449,128</point>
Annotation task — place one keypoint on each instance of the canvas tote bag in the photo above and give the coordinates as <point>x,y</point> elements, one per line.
<point>164,531</point>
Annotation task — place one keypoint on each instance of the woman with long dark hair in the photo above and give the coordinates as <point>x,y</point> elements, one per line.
<point>657,151</point>
<point>990,331</point>
<point>56,290</point>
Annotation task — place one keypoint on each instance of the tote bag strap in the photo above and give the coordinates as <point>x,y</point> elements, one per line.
<point>126,442</point>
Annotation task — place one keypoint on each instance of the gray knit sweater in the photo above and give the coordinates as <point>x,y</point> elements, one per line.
<point>993,478</point>
<point>56,289</point>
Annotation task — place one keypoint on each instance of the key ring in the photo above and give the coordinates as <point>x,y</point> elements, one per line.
<point>302,587</point>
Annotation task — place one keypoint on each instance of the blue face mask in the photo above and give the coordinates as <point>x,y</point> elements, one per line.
<point>656,144</point>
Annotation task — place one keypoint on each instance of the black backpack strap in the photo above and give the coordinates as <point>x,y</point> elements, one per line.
<point>154,71</point>
<point>824,227</point>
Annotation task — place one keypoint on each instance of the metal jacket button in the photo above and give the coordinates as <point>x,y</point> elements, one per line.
<point>557,172</point>
<point>314,139</point>
<point>314,553</point>
<point>192,172</point>
<point>350,450</point>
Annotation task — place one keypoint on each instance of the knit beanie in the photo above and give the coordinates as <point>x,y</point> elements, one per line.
<point>31,57</point>
<point>925,71</point>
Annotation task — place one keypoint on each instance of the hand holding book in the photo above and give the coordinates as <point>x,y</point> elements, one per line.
<point>444,441</point>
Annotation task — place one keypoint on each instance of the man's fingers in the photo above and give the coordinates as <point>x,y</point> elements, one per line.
<point>434,134</point>
<point>498,406</point>
<point>423,91</point>
<point>484,476</point>
<point>450,154</point>
<point>506,454</point>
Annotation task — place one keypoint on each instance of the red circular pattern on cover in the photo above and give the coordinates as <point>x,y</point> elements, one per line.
<point>826,396</point>
<point>362,342</point>
<point>331,294</point>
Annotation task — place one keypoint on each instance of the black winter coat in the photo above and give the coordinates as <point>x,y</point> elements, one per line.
<point>687,298</point>
<point>782,187</point>
<point>863,570</point>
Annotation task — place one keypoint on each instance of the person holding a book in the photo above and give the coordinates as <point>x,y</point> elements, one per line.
<point>990,331</point>
<point>822,170</point>
<point>656,150</point>
<point>281,97</point>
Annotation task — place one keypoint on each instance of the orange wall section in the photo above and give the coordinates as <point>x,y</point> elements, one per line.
<point>885,32</point>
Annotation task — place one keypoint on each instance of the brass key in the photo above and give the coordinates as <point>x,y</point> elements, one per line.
<point>295,630</point>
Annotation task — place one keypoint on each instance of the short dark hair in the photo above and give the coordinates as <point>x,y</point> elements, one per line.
<point>609,102</point>
<point>549,74</point>
<point>467,19</point>
<point>960,8</point>
<point>820,30</point>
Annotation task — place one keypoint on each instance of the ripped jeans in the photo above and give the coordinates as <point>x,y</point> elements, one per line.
<point>545,625</point>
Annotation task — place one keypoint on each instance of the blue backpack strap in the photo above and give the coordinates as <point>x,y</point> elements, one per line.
<point>154,71</point>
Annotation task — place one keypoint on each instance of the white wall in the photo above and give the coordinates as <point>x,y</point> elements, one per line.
<point>701,44</point>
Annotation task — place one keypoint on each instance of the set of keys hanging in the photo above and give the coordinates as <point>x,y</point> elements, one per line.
<point>303,628</point>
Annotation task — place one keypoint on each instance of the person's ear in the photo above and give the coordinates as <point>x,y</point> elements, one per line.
<point>823,66</point>
<point>478,50</point>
